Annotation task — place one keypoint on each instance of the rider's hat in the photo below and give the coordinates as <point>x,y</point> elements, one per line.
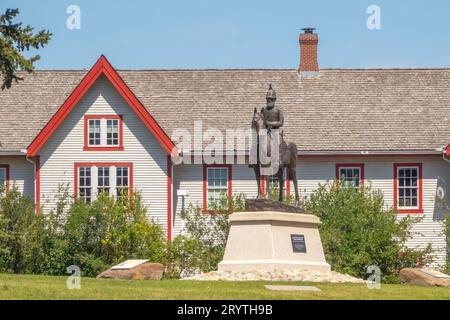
<point>271,94</point>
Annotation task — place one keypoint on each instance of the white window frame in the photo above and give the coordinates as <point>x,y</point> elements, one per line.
<point>416,187</point>
<point>98,180</point>
<point>103,181</point>
<point>115,125</point>
<point>82,195</point>
<point>120,186</point>
<point>344,177</point>
<point>4,183</point>
<point>210,188</point>
<point>99,132</point>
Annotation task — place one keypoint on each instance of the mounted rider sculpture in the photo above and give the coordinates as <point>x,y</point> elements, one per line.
<point>270,154</point>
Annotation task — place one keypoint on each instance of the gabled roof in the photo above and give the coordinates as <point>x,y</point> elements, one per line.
<point>101,67</point>
<point>340,110</point>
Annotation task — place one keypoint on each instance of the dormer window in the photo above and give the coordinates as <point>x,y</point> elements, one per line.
<point>103,133</point>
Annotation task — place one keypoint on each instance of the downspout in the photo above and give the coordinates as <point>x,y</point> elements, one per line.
<point>172,194</point>
<point>34,173</point>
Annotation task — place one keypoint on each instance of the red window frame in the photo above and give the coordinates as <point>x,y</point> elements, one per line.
<point>420,195</point>
<point>77,165</point>
<point>7,177</point>
<point>87,147</point>
<point>205,182</point>
<point>360,166</point>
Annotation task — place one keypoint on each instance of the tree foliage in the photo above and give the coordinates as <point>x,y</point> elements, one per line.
<point>358,231</point>
<point>15,39</point>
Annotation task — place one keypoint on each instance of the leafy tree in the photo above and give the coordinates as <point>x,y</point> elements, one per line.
<point>14,40</point>
<point>358,231</point>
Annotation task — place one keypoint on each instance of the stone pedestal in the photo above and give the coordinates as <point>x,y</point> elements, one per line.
<point>270,240</point>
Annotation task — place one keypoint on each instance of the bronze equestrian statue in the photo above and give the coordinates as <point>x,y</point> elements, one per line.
<point>269,120</point>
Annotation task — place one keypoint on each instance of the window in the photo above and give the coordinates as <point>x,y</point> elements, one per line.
<point>122,179</point>
<point>216,184</point>
<point>94,132</point>
<point>408,188</point>
<point>4,178</point>
<point>103,133</point>
<point>112,132</point>
<point>85,189</point>
<point>350,174</point>
<point>103,180</point>
<point>110,177</point>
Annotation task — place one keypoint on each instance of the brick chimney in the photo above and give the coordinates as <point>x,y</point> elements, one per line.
<point>308,53</point>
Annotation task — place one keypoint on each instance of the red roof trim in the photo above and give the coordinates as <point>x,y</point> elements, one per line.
<point>102,66</point>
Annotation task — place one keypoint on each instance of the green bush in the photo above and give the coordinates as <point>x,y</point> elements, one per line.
<point>108,231</point>
<point>92,236</point>
<point>358,231</point>
<point>447,235</point>
<point>203,246</point>
<point>17,214</point>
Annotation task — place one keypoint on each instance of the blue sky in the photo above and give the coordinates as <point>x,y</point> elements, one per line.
<point>138,34</point>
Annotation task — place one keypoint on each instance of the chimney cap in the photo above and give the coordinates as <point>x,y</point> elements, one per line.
<point>309,30</point>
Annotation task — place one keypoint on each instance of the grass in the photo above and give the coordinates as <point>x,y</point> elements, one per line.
<point>47,287</point>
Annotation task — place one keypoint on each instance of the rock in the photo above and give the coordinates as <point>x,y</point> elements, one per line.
<point>145,271</point>
<point>421,278</point>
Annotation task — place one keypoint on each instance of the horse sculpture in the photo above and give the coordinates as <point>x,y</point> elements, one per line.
<point>288,157</point>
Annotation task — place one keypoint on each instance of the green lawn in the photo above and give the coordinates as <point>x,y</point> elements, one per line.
<point>46,287</point>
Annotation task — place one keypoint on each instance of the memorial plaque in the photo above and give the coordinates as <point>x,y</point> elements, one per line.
<point>436,273</point>
<point>129,264</point>
<point>298,243</point>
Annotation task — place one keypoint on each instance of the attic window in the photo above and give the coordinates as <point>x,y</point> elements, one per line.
<point>103,133</point>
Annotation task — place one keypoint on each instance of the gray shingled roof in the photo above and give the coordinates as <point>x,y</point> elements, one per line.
<point>341,110</point>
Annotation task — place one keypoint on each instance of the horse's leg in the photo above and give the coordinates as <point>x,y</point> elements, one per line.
<point>258,180</point>
<point>281,182</point>
<point>293,177</point>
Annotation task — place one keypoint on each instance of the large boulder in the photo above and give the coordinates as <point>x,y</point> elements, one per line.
<point>422,278</point>
<point>145,271</point>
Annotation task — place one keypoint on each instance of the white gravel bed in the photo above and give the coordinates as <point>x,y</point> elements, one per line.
<point>282,275</point>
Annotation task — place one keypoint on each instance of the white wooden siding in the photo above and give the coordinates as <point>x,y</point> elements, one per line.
<point>379,172</point>
<point>311,171</point>
<point>21,175</point>
<point>65,148</point>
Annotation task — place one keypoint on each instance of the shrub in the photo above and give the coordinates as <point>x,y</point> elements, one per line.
<point>203,246</point>
<point>109,231</point>
<point>16,216</point>
<point>358,231</point>
<point>92,236</point>
<point>447,236</point>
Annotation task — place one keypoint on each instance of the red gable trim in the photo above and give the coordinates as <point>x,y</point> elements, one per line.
<point>102,66</point>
